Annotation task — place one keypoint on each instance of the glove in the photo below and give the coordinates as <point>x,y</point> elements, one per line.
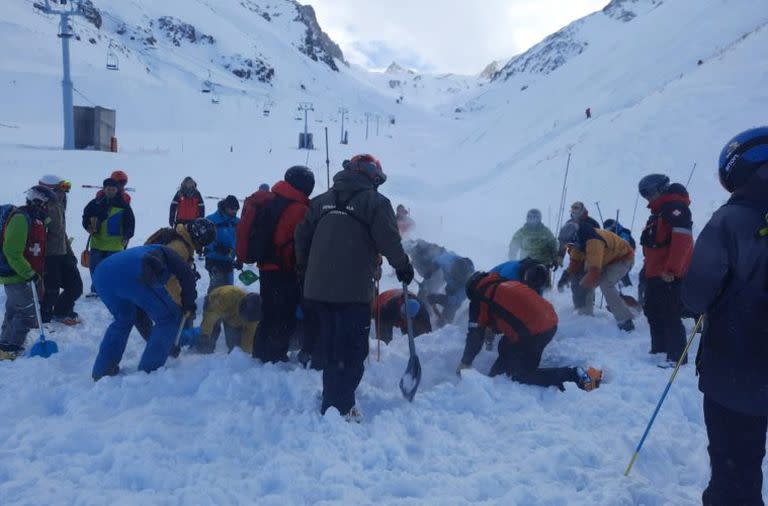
<point>564,279</point>
<point>405,274</point>
<point>190,311</point>
<point>460,368</point>
<point>190,337</point>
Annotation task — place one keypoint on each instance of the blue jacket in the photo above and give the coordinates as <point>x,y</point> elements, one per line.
<point>728,279</point>
<point>510,270</point>
<point>624,233</point>
<point>223,248</point>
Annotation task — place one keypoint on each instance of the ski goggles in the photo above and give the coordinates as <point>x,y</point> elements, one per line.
<point>65,186</point>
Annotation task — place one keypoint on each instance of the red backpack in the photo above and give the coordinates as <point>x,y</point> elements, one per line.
<point>254,242</point>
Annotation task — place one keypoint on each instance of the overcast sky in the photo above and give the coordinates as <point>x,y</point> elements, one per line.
<point>460,36</point>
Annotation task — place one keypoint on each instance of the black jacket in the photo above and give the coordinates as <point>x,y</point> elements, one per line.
<point>99,208</point>
<point>339,246</point>
<point>728,279</point>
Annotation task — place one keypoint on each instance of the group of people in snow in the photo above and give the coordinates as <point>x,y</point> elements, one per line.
<point>320,260</point>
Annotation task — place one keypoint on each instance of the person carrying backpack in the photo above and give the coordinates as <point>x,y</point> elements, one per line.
<point>337,247</point>
<point>63,284</point>
<point>603,258</point>
<point>520,270</point>
<point>122,180</point>
<point>110,222</point>
<point>527,323</point>
<point>728,280</point>
<point>266,236</point>
<point>534,240</point>
<point>455,270</point>
<point>220,254</point>
<point>21,263</point>
<point>667,242</point>
<point>187,204</point>
<point>135,279</point>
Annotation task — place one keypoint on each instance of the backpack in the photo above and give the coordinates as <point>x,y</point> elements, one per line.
<point>254,237</point>
<point>6,211</point>
<point>165,236</point>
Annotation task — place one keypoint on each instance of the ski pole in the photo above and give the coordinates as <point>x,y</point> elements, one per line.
<point>562,193</point>
<point>94,187</point>
<point>599,213</point>
<point>664,395</point>
<point>327,162</point>
<point>378,324</point>
<point>634,213</point>
<point>690,176</point>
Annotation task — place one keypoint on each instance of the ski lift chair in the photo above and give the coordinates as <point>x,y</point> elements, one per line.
<point>113,63</point>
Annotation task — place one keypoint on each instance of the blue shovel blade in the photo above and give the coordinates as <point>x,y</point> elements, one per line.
<point>410,380</point>
<point>43,349</point>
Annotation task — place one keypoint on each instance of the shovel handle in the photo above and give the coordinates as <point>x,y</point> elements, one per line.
<point>36,299</point>
<point>408,321</point>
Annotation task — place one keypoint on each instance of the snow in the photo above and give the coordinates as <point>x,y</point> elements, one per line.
<point>224,429</point>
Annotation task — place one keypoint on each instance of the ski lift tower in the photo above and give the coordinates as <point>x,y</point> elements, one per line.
<point>305,139</point>
<point>343,112</point>
<point>65,33</point>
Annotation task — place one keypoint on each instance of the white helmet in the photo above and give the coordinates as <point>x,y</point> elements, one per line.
<point>51,181</point>
<point>39,195</point>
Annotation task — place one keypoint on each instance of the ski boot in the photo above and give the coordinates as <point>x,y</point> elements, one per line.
<point>10,351</point>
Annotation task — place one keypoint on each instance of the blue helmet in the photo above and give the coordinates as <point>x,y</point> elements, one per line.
<point>742,156</point>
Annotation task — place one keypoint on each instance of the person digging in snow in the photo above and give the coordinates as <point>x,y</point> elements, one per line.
<point>136,278</point>
<point>527,323</point>
<point>389,312</point>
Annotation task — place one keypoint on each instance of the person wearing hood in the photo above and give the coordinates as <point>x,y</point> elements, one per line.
<point>667,242</point>
<point>534,240</point>
<point>337,247</point>
<point>278,276</point>
<point>110,222</point>
<point>220,254</point>
<point>187,204</point>
<point>728,280</point>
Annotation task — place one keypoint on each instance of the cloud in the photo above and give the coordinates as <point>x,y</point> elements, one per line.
<point>443,35</point>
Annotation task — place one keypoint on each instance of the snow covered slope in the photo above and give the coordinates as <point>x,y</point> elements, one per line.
<point>221,429</point>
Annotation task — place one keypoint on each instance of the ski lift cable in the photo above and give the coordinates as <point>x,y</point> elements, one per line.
<point>84,97</point>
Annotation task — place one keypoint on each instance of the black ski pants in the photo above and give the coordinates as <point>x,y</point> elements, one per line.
<point>736,450</point>
<point>520,361</point>
<point>312,345</point>
<point>662,308</point>
<point>280,295</point>
<point>344,330</point>
<point>63,286</point>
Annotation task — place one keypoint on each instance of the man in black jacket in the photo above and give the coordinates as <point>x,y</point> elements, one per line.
<point>728,279</point>
<point>337,248</point>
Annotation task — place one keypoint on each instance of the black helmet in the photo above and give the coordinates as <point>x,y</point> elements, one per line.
<point>652,184</point>
<point>610,225</point>
<point>742,156</point>
<point>202,231</point>
<point>472,282</point>
<point>250,307</point>
<point>301,178</point>
<point>536,277</point>
<point>39,195</point>
<point>229,202</point>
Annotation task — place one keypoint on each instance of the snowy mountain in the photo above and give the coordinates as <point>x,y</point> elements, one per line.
<point>469,157</point>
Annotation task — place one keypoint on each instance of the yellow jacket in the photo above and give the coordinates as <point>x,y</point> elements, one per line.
<point>599,253</point>
<point>223,304</point>
<point>185,247</point>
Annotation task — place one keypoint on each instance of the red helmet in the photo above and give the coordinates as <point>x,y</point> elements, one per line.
<point>120,176</point>
<point>368,165</point>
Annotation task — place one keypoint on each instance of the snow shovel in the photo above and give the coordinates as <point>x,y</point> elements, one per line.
<point>42,348</point>
<point>176,350</point>
<point>410,380</point>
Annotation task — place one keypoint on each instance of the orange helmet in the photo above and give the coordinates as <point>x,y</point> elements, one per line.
<point>120,176</point>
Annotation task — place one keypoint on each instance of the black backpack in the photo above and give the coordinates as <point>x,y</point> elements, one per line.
<point>256,230</point>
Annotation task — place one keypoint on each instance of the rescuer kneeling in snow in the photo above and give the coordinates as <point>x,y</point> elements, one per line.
<point>527,322</point>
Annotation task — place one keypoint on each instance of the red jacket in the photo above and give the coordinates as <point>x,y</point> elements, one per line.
<point>286,226</point>
<point>667,239</point>
<point>515,299</point>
